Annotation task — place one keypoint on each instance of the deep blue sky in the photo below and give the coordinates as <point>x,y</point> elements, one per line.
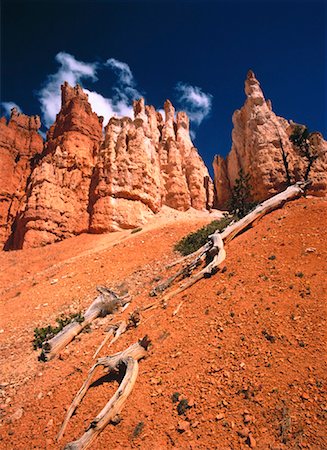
<point>210,44</point>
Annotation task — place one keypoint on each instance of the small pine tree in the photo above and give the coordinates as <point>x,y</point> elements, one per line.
<point>240,203</point>
<point>302,140</point>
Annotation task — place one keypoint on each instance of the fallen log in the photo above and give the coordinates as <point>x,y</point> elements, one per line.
<point>107,302</point>
<point>213,251</point>
<point>129,358</point>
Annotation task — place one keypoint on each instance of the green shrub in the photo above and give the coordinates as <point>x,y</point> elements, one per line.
<point>136,230</point>
<point>44,334</point>
<point>240,203</point>
<point>195,240</point>
<point>304,143</point>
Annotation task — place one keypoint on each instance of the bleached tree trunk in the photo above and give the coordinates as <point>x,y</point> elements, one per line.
<point>105,303</point>
<point>214,251</point>
<point>129,358</point>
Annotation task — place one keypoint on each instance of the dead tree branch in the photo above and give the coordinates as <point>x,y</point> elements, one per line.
<point>129,358</point>
<point>213,251</point>
<point>118,330</point>
<point>105,303</point>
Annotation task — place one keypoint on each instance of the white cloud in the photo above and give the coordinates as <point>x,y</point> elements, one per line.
<point>8,106</point>
<point>194,101</point>
<point>122,70</point>
<point>125,88</point>
<point>74,71</point>
<point>70,70</point>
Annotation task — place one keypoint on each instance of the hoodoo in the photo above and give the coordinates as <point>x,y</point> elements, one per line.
<point>20,144</point>
<point>262,148</point>
<point>85,181</point>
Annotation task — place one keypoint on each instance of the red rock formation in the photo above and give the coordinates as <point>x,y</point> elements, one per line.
<point>87,182</point>
<point>222,186</point>
<point>20,142</point>
<point>146,163</point>
<point>260,144</point>
<point>58,200</point>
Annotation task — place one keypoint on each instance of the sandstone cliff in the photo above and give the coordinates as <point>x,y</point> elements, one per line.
<point>58,193</point>
<point>87,181</point>
<point>261,146</point>
<point>20,143</point>
<point>143,164</point>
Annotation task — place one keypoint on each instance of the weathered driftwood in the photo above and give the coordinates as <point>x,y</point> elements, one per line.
<point>117,330</point>
<point>110,333</point>
<point>129,358</point>
<point>213,250</point>
<point>217,255</point>
<point>114,331</point>
<point>107,302</point>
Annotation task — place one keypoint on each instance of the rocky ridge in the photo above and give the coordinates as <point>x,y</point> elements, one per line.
<point>87,181</point>
<point>146,163</point>
<point>20,145</point>
<point>262,148</point>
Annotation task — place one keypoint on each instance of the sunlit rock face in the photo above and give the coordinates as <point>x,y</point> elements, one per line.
<point>58,192</point>
<point>260,146</point>
<point>87,180</point>
<point>20,145</point>
<point>143,164</point>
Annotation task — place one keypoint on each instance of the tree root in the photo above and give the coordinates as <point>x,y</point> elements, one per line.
<point>129,358</point>
<point>105,303</point>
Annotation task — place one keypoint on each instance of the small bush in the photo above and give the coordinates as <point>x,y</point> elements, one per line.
<point>303,141</point>
<point>44,334</point>
<point>195,240</point>
<point>138,429</point>
<point>240,203</point>
<point>136,230</point>
<point>175,397</point>
<point>182,407</point>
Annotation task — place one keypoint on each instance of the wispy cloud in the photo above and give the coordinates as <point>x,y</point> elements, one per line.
<point>122,70</point>
<point>124,90</point>
<point>8,106</point>
<point>196,103</point>
<point>74,71</point>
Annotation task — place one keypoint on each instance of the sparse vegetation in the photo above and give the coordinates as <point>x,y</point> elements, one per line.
<point>136,230</point>
<point>175,397</point>
<point>44,334</point>
<point>195,240</point>
<point>285,425</point>
<point>240,203</point>
<point>269,336</point>
<point>138,429</point>
<point>299,274</point>
<point>182,407</point>
<point>303,142</point>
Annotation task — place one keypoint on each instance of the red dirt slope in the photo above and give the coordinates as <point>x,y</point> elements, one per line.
<point>246,349</point>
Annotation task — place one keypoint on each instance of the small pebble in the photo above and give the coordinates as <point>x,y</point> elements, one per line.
<point>244,432</point>
<point>251,441</point>
<point>18,414</point>
<point>183,425</point>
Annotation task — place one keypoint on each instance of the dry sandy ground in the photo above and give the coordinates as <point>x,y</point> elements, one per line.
<point>247,348</point>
